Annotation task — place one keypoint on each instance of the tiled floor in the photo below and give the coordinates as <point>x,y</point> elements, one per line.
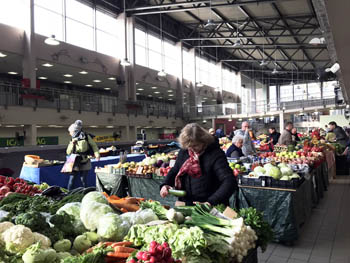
<point>325,238</point>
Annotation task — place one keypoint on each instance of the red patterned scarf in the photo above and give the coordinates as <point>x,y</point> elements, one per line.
<point>191,167</point>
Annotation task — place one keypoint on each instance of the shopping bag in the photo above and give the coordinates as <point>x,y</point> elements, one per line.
<point>72,161</point>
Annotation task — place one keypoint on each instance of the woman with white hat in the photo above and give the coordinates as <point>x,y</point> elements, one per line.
<point>83,145</point>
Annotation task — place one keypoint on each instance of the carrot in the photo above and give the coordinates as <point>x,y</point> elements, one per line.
<point>122,244</point>
<point>128,207</point>
<point>106,244</point>
<point>124,249</point>
<point>123,210</point>
<point>105,194</point>
<point>114,197</point>
<point>118,255</point>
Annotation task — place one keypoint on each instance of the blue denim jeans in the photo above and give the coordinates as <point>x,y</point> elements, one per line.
<point>83,177</point>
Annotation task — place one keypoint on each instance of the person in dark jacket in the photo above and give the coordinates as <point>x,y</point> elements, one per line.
<point>295,135</point>
<point>274,136</point>
<point>201,169</point>
<point>232,133</point>
<point>340,134</point>
<point>235,150</point>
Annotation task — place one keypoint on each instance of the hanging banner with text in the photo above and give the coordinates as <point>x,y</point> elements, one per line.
<point>106,139</point>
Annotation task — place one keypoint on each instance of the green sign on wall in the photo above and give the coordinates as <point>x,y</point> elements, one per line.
<point>52,140</point>
<point>13,142</point>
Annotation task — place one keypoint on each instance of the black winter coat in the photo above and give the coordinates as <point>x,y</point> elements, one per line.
<point>217,183</point>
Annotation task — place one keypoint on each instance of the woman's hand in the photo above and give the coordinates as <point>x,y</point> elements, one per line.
<point>164,191</point>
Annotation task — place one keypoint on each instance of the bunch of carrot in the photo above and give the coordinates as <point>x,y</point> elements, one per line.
<point>122,250</point>
<point>126,204</point>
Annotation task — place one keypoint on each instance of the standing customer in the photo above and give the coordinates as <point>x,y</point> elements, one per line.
<point>81,144</point>
<point>295,137</point>
<point>235,150</point>
<point>340,134</point>
<point>286,136</point>
<point>248,146</point>
<point>274,136</point>
<point>201,169</point>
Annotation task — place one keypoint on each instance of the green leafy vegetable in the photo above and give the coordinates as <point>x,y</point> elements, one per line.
<point>157,208</point>
<point>255,220</point>
<point>34,220</point>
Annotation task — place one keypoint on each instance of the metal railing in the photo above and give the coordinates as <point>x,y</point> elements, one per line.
<point>259,107</point>
<point>12,94</point>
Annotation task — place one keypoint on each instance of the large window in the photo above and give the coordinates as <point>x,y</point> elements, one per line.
<point>141,48</point>
<point>300,92</point>
<point>273,98</point>
<point>79,24</point>
<point>172,59</point>
<point>231,81</point>
<point>328,89</point>
<point>15,13</point>
<point>188,65</point>
<point>286,93</point>
<point>314,90</point>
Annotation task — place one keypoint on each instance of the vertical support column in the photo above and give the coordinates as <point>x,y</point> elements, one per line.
<point>193,102</point>
<point>31,134</point>
<point>281,122</point>
<point>179,85</point>
<point>131,56</point>
<point>127,132</point>
<point>219,90</point>
<point>321,87</point>
<point>132,133</point>
<point>29,58</point>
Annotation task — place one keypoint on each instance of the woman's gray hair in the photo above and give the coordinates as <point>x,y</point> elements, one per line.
<point>193,134</point>
<point>76,126</point>
<point>237,138</point>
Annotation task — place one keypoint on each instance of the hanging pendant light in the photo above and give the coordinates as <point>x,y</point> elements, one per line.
<point>199,84</point>
<point>125,62</point>
<point>52,41</point>
<point>161,73</point>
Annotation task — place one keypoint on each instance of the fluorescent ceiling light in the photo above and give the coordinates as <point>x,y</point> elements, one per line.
<point>42,78</point>
<point>93,126</point>
<point>154,88</point>
<point>240,119</point>
<point>125,62</point>
<point>160,97</point>
<point>83,72</point>
<point>97,80</point>
<point>170,99</point>
<point>162,73</point>
<point>261,118</point>
<point>213,100</point>
<point>52,41</point>
<point>204,121</point>
<point>150,96</point>
<point>88,85</point>
<point>67,82</point>
<point>68,75</point>
<point>10,126</point>
<point>171,95</point>
<point>2,55</point>
<point>138,93</point>
<point>140,89</point>
<point>12,73</point>
<point>335,68</point>
<point>107,88</point>
<point>170,91</point>
<point>137,83</point>
<point>156,92</point>
<point>200,84</point>
<point>109,127</point>
<point>111,78</point>
<point>48,65</point>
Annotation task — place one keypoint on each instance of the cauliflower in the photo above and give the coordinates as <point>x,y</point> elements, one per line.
<point>39,255</point>
<point>18,238</point>
<point>62,255</point>
<point>4,226</point>
<point>44,240</point>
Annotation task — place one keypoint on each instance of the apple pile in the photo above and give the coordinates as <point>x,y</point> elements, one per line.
<point>237,168</point>
<point>164,171</point>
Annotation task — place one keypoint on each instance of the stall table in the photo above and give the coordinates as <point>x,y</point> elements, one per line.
<point>52,174</point>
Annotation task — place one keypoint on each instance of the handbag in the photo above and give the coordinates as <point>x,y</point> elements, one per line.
<point>72,161</point>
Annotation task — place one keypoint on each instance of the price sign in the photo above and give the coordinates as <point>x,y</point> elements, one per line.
<point>172,163</point>
<point>139,170</point>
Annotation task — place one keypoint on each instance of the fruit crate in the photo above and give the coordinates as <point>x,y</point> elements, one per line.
<point>119,171</point>
<point>291,184</point>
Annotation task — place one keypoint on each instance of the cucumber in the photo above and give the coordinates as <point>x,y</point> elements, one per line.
<point>178,193</point>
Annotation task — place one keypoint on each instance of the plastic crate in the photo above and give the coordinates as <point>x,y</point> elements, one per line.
<point>144,176</point>
<point>157,177</point>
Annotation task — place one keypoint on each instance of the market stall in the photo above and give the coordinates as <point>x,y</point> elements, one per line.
<point>53,176</point>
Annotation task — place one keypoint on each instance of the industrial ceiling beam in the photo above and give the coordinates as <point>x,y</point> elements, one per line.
<point>182,6</point>
<point>277,60</point>
<point>249,37</point>
<point>277,46</point>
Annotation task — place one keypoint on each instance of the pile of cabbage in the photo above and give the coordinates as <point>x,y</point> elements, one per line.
<point>280,172</point>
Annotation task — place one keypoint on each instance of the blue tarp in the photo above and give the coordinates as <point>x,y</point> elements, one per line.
<point>52,174</point>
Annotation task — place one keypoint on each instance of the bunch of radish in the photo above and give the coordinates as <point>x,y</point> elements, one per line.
<point>9,185</point>
<point>156,254</point>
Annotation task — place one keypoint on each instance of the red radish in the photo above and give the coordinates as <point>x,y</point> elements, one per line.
<point>160,249</point>
<point>165,244</point>
<point>153,244</point>
<point>152,260</point>
<point>152,250</point>
<point>146,256</point>
<point>139,254</point>
<point>132,261</point>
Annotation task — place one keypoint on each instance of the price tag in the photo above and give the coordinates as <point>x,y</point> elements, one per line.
<point>139,170</point>
<point>263,183</point>
<point>172,163</point>
<point>239,181</point>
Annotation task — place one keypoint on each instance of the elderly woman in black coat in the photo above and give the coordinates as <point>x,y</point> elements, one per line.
<point>201,169</point>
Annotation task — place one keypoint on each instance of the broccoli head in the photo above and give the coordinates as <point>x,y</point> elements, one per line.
<point>63,222</point>
<point>34,220</point>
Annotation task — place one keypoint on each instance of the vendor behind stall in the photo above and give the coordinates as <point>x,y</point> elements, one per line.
<point>81,144</point>
<point>201,169</point>
<point>340,134</point>
<point>235,150</point>
<point>286,137</point>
